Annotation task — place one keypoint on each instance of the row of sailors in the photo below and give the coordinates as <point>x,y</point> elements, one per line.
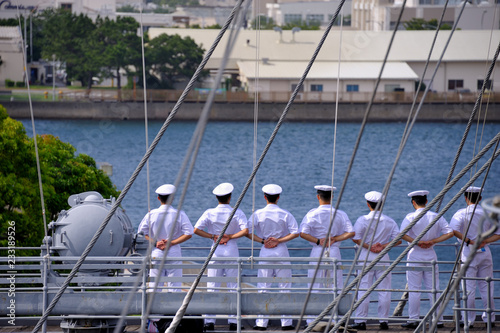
<point>273,227</point>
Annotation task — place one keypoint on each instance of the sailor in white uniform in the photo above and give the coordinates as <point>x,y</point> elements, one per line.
<point>158,224</point>
<point>382,235</point>
<point>314,228</point>
<point>423,251</point>
<point>273,226</point>
<point>482,264</point>
<point>213,220</point>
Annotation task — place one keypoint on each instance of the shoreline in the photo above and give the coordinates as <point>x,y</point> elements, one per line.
<point>299,112</point>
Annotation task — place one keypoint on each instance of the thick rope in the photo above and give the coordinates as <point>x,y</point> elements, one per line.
<point>397,239</point>
<point>426,66</point>
<point>178,179</point>
<point>257,166</point>
<point>134,175</point>
<point>356,146</point>
<point>391,267</point>
<point>332,215</point>
<point>144,83</point>
<point>474,111</point>
<point>447,292</point>
<point>255,120</point>
<point>35,140</point>
<point>203,120</point>
<point>148,183</point>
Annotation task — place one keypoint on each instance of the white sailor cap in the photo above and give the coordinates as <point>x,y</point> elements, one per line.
<point>373,196</point>
<point>271,189</point>
<point>326,188</point>
<point>165,189</point>
<point>223,189</point>
<point>473,189</point>
<point>418,193</point>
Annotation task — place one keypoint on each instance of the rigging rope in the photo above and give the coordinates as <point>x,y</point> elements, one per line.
<point>447,292</point>
<point>421,81</point>
<point>134,176</point>
<point>203,119</point>
<point>35,140</point>
<point>311,286</point>
<point>386,188</point>
<point>255,120</point>
<point>191,147</point>
<point>263,154</point>
<point>399,237</point>
<point>471,118</point>
<point>144,83</point>
<point>406,136</point>
<point>148,187</point>
<point>493,62</point>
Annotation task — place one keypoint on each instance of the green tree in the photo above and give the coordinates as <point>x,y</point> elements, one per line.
<point>122,45</point>
<point>63,174</point>
<point>175,3</point>
<point>263,22</point>
<point>421,24</point>
<point>170,59</point>
<point>303,25</point>
<point>74,40</point>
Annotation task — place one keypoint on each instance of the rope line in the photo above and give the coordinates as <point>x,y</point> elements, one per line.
<point>458,258</point>
<point>398,238</point>
<point>404,140</point>
<point>463,269</point>
<point>35,140</point>
<point>144,83</point>
<point>358,141</point>
<point>134,176</point>
<point>203,120</point>
<point>255,120</point>
<point>332,214</point>
<point>427,62</point>
<point>183,167</point>
<point>257,166</point>
<point>474,111</point>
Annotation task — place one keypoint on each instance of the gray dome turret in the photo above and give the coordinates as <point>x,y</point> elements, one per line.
<point>74,228</point>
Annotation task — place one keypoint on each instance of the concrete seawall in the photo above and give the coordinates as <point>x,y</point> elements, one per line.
<point>244,112</point>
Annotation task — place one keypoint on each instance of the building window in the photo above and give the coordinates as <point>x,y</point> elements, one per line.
<point>314,18</point>
<point>293,18</point>
<point>488,86</point>
<point>392,87</point>
<point>352,88</point>
<point>294,86</point>
<point>317,87</point>
<point>67,6</point>
<point>455,84</point>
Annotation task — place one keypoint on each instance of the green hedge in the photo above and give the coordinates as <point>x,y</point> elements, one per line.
<point>9,83</point>
<point>20,84</point>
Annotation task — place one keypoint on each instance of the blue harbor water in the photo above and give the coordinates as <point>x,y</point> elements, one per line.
<point>300,157</point>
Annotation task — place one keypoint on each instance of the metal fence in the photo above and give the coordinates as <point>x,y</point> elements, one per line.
<point>222,96</point>
<point>104,283</point>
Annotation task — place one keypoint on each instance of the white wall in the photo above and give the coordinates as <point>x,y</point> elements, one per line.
<point>470,72</point>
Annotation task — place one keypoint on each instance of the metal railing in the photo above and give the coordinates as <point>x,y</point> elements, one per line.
<point>222,96</point>
<point>104,282</point>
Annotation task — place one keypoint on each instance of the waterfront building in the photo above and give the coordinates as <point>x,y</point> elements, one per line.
<point>282,53</point>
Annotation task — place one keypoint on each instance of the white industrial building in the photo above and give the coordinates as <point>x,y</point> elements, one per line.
<point>308,12</point>
<point>282,59</point>
<point>382,14</point>
<point>11,55</point>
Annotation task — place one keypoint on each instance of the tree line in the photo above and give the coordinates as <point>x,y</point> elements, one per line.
<point>63,173</point>
<point>103,48</point>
